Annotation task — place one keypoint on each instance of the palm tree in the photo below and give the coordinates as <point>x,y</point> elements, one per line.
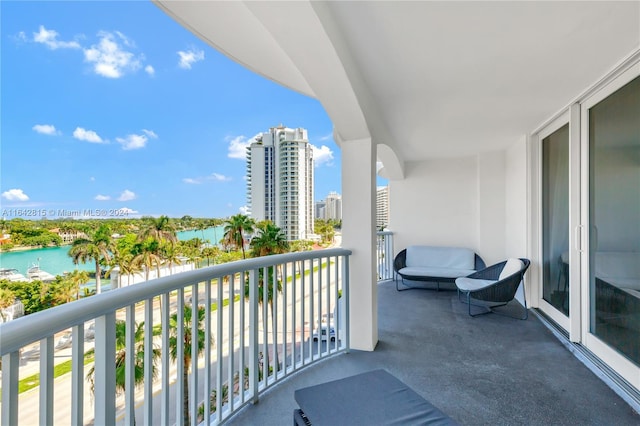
<point>97,247</point>
<point>186,345</point>
<point>78,278</point>
<point>170,254</point>
<point>147,256</point>
<point>121,356</point>
<point>159,229</point>
<point>64,290</point>
<point>201,227</point>
<point>270,240</point>
<point>235,229</point>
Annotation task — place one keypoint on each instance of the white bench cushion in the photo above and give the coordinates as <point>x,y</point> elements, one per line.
<point>435,272</point>
<point>440,257</point>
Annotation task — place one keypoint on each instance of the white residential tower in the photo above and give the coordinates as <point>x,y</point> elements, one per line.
<point>280,181</point>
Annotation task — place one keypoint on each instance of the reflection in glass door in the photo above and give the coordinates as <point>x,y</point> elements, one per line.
<point>614,220</point>
<point>555,219</point>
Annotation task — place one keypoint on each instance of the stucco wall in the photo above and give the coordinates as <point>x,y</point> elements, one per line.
<point>477,202</point>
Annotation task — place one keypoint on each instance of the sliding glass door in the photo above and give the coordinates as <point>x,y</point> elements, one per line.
<point>614,221</point>
<point>555,219</point>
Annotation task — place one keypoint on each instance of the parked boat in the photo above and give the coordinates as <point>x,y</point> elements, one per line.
<point>12,275</point>
<point>35,273</point>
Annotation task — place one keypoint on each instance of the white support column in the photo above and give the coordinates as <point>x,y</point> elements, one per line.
<point>359,235</point>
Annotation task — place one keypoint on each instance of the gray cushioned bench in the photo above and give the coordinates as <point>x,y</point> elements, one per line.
<point>436,264</point>
<point>372,398</point>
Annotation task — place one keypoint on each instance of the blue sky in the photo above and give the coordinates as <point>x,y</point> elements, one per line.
<point>113,105</point>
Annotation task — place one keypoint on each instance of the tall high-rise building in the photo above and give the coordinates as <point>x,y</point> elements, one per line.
<point>382,207</point>
<point>280,181</point>
<point>333,207</point>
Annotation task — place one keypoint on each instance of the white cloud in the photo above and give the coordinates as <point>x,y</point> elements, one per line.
<point>21,37</point>
<point>328,137</point>
<point>128,211</point>
<point>134,141</point>
<point>127,196</point>
<point>102,197</point>
<point>150,133</point>
<point>108,57</point>
<point>213,176</point>
<point>322,155</point>
<point>189,57</point>
<point>244,210</point>
<point>150,70</point>
<point>238,146</point>
<point>15,195</point>
<point>87,135</point>
<point>92,179</point>
<point>220,178</point>
<point>50,39</point>
<point>45,129</point>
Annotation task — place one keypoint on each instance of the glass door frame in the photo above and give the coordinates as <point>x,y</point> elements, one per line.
<point>551,311</point>
<point>628,370</point>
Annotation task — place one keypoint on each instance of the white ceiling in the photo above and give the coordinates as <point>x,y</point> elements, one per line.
<point>428,79</point>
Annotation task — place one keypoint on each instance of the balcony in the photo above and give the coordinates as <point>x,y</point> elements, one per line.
<point>426,339</point>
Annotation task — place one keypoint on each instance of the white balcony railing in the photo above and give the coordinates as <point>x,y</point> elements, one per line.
<point>255,342</point>
<point>384,252</point>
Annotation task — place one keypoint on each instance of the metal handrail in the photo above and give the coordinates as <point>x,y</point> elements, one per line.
<point>22,331</point>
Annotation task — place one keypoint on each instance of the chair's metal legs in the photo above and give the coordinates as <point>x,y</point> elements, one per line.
<point>490,309</point>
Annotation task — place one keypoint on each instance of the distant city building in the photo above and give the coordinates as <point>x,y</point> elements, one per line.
<point>321,208</point>
<point>382,207</point>
<point>333,209</point>
<point>330,207</point>
<point>68,236</point>
<point>280,181</point>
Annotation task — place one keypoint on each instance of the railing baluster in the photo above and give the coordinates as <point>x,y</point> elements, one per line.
<point>331,313</point>
<point>337,318</point>
<point>129,365</point>
<point>253,335</point>
<point>10,370</point>
<point>207,352</point>
<point>195,345</point>
<point>241,360</point>
<point>345,294</point>
<point>148,362</point>
<point>77,375</point>
<point>231,333</point>
<point>312,302</point>
<point>285,310</point>
<point>265,327</point>
<point>274,322</point>
<point>180,363</point>
<point>164,358</point>
<point>294,303</point>
<point>303,274</point>
<point>105,369</point>
<point>46,381</point>
<point>219,347</point>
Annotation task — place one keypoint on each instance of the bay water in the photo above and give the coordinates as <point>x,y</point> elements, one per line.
<point>56,260</point>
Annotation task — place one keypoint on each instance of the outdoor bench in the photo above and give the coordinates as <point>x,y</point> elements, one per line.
<point>435,264</point>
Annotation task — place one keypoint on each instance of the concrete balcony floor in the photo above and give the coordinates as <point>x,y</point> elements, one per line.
<point>488,370</point>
